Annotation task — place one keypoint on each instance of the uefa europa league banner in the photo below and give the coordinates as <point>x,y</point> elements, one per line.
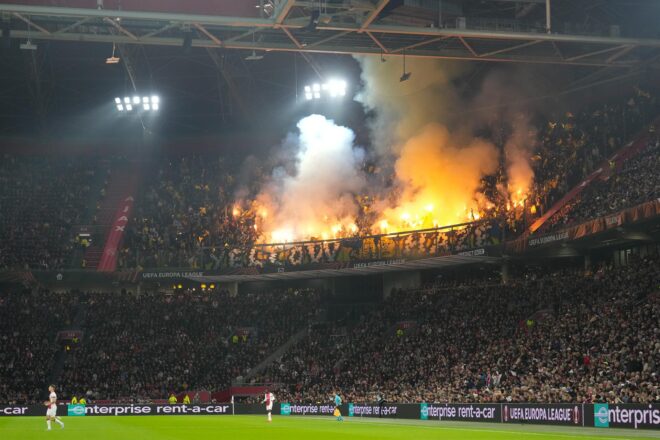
<point>567,414</point>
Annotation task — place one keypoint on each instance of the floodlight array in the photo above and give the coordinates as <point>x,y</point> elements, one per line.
<point>333,89</point>
<point>145,103</point>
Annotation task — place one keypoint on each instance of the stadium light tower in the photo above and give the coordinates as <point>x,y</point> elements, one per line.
<point>137,103</point>
<point>333,88</point>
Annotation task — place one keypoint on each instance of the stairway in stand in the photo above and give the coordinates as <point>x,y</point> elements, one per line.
<point>122,184</point>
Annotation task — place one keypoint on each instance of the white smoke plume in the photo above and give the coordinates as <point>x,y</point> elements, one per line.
<point>316,196</point>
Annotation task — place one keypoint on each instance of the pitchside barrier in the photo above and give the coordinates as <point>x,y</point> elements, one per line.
<point>600,415</point>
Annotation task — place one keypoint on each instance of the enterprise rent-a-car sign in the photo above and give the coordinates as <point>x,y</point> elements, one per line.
<point>600,415</point>
<point>461,412</point>
<point>625,416</point>
<point>121,410</point>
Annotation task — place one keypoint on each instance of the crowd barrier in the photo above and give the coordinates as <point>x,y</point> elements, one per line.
<point>599,415</point>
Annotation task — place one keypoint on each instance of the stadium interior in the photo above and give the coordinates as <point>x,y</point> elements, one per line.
<point>406,201</point>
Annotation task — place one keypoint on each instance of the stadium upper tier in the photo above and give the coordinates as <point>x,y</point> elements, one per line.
<point>186,212</point>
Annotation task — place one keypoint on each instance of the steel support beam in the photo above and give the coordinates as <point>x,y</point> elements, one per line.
<point>242,22</point>
<point>509,49</point>
<point>212,37</point>
<point>120,28</point>
<point>468,47</point>
<point>597,52</point>
<point>373,15</point>
<point>73,26</point>
<point>284,9</point>
<point>31,23</point>
<point>159,31</point>
<point>378,43</point>
<point>330,38</point>
<point>620,53</point>
<point>420,44</point>
<point>279,47</point>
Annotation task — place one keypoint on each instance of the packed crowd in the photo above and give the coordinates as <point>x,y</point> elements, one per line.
<point>186,216</point>
<point>27,350</point>
<point>562,336</point>
<point>637,181</point>
<point>184,208</point>
<point>41,199</point>
<point>576,144</point>
<point>147,346</point>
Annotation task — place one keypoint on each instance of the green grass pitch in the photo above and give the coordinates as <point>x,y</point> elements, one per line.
<point>290,428</point>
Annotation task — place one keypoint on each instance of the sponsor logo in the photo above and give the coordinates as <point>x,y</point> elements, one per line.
<point>373,410</point>
<point>160,275</point>
<point>548,238</point>
<point>285,409</point>
<point>601,415</point>
<point>478,412</point>
<point>313,410</point>
<point>540,413</point>
<point>13,410</point>
<point>629,416</point>
<point>379,263</point>
<point>75,410</point>
<point>473,253</point>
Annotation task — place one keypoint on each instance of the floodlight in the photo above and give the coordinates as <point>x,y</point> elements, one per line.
<point>155,107</point>
<point>117,100</point>
<point>136,99</point>
<point>333,89</point>
<point>120,107</point>
<point>129,107</point>
<point>147,107</point>
<point>145,100</point>
<point>127,100</point>
<point>254,57</point>
<point>406,75</point>
<point>28,46</point>
<point>155,99</point>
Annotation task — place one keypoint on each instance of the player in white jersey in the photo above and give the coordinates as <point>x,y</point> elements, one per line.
<point>269,398</point>
<point>51,404</point>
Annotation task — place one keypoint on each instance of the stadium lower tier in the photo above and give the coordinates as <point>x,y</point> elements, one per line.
<point>558,336</point>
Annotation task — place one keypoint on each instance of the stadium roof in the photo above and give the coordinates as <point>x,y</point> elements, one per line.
<point>596,33</point>
<point>199,54</point>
